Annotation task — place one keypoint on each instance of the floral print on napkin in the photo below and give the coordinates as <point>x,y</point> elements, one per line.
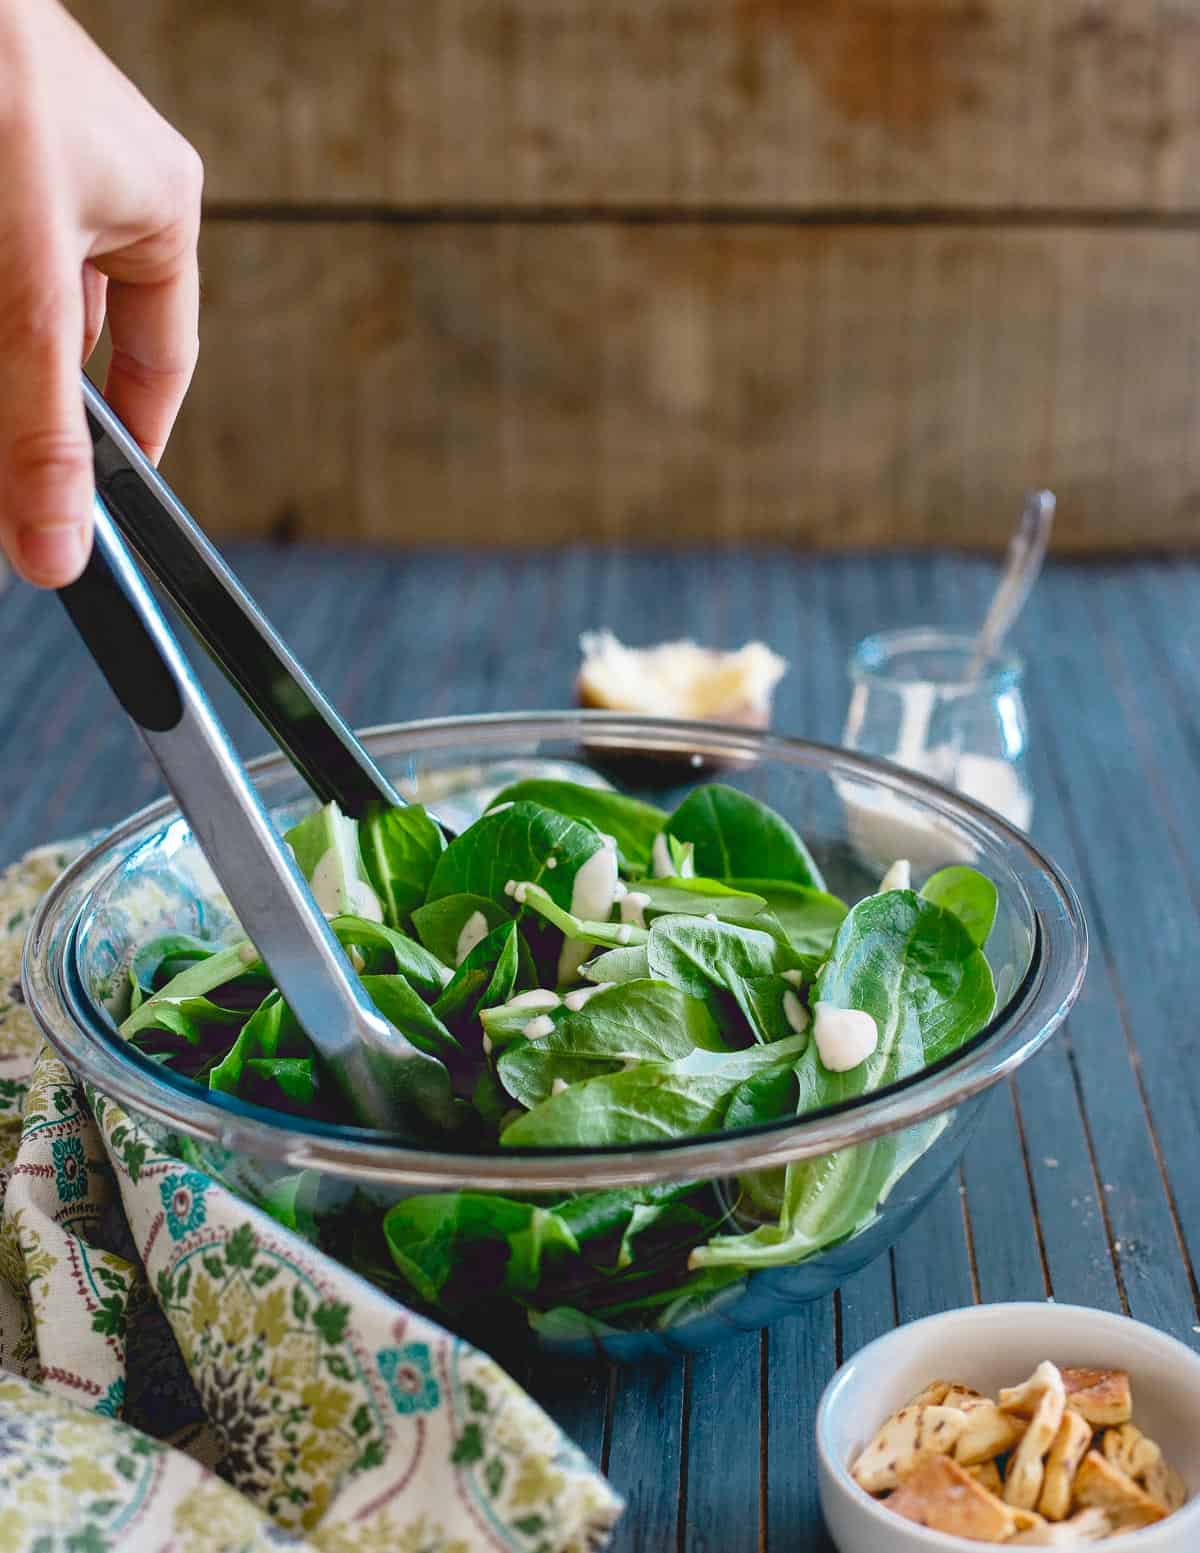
<point>177,1371</point>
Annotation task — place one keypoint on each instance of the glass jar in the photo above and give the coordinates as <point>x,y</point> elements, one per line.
<point>914,702</point>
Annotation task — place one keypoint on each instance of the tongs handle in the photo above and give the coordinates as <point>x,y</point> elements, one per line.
<point>121,623</point>
<point>226,620</point>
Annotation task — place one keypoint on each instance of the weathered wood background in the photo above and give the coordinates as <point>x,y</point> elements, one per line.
<point>837,272</point>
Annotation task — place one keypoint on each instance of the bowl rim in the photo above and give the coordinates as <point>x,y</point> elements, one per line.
<point>1034,1010</point>
<point>875,1354</point>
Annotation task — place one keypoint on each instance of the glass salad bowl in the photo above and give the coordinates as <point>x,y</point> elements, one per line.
<point>660,1252</point>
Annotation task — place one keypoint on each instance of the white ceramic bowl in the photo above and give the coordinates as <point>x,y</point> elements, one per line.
<point>989,1346</point>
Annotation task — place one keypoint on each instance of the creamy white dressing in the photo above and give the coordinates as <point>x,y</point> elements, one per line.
<point>584,995</point>
<point>328,884</point>
<point>474,931</point>
<point>660,858</point>
<point>795,1013</point>
<point>844,1036</point>
<point>538,998</point>
<point>364,902</point>
<point>795,977</point>
<point>633,907</point>
<point>336,882</point>
<point>594,886</point>
<point>883,826</point>
<point>538,1027</point>
<point>898,877</point>
<point>559,1087</point>
<point>593,891</point>
<point>994,782</point>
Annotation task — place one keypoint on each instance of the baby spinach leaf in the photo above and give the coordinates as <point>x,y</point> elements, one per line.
<point>638,1021</point>
<point>709,959</point>
<point>197,981</point>
<point>403,1007</point>
<point>736,837</point>
<point>516,843</point>
<point>439,924</point>
<point>474,1240</point>
<point>408,958</point>
<point>292,1200</point>
<point>487,977</point>
<point>271,1031</point>
<point>971,896</point>
<point>662,1223</point>
<point>699,898</point>
<point>697,955</point>
<point>189,1019</point>
<point>177,950</point>
<point>763,1097</point>
<point>916,970</point>
<point>282,1083</point>
<point>592,1216</point>
<point>632,824</point>
<point>649,1102</point>
<point>325,846</point>
<point>400,849</point>
<point>808,917</point>
<point>619,965</point>
<point>762,1000</point>
<point>824,1200</point>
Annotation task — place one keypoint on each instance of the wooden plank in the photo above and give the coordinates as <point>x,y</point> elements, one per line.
<point>645,1456</point>
<point>528,385</point>
<point>723,1449</point>
<point>685,103</point>
<point>1006,1254</point>
<point>798,1360</point>
<point>931,1260</point>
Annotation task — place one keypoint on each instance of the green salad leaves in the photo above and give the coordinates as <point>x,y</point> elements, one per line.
<point>590,971</point>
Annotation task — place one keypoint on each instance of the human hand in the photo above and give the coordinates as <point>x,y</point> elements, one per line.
<point>99,210</point>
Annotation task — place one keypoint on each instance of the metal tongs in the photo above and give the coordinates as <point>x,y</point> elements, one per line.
<point>389,1083</point>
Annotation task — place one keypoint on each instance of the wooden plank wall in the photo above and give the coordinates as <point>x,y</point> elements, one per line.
<point>837,272</point>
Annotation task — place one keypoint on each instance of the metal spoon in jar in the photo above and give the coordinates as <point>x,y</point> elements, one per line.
<point>1026,552</point>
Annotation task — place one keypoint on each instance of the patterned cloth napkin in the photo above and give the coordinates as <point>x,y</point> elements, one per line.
<point>179,1372</point>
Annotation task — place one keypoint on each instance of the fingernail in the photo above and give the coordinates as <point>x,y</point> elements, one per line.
<point>52,556</point>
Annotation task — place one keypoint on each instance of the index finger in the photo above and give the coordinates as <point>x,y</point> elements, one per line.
<point>153,325</point>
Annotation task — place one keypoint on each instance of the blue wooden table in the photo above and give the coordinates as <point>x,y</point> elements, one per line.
<point>1083,1182</point>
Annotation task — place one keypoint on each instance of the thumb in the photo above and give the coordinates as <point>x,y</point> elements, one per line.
<point>45,449</point>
